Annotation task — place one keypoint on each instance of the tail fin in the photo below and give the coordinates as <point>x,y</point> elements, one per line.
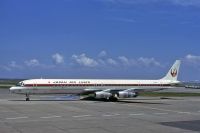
<point>173,72</point>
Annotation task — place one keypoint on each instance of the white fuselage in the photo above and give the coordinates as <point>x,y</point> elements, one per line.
<point>80,86</point>
<point>101,88</point>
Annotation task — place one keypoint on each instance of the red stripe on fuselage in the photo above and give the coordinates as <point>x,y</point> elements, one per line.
<point>92,85</point>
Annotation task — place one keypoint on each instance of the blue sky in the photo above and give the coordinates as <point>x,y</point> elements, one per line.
<point>99,38</point>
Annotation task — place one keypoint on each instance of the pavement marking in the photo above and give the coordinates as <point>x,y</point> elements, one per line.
<point>81,116</point>
<point>47,117</point>
<point>184,112</point>
<point>107,115</point>
<point>166,110</point>
<point>14,118</point>
<point>160,113</point>
<point>137,114</point>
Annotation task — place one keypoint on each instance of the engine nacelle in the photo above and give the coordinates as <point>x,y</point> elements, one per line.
<point>125,94</point>
<point>102,94</point>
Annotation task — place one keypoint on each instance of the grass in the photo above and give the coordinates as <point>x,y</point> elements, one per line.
<point>5,86</point>
<point>7,83</point>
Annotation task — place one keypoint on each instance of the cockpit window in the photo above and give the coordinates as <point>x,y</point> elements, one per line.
<point>20,84</point>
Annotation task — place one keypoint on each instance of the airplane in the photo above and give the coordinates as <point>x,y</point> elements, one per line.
<point>110,89</point>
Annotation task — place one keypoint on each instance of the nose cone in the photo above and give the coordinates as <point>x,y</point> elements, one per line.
<point>13,89</point>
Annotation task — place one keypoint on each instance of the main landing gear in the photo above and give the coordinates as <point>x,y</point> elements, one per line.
<point>113,99</point>
<point>27,97</point>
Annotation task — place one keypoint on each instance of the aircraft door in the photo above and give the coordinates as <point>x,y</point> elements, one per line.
<point>35,85</point>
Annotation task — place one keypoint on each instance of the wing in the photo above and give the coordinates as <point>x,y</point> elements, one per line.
<point>117,93</point>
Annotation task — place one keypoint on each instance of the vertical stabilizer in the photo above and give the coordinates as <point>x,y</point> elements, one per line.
<point>173,72</point>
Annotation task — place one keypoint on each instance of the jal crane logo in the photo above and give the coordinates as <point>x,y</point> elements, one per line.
<point>173,72</point>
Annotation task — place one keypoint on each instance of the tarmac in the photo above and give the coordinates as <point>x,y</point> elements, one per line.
<point>46,114</point>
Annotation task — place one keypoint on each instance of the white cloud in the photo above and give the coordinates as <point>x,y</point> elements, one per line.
<point>192,59</point>
<point>32,63</point>
<point>141,61</point>
<point>127,1</point>
<point>186,2</point>
<point>83,60</point>
<point>148,61</point>
<point>174,2</point>
<point>112,62</point>
<point>124,60</point>
<point>58,58</point>
<point>102,54</point>
<point>10,66</point>
<point>101,62</point>
<point>121,61</point>
<point>127,20</point>
<point>5,68</point>
<point>13,64</point>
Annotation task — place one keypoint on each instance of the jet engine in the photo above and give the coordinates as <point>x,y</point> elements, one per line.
<point>102,94</point>
<point>126,94</point>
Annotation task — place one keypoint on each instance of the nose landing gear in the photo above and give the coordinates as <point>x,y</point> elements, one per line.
<point>27,97</point>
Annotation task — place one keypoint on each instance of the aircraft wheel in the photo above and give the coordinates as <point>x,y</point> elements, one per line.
<point>113,99</point>
<point>27,99</point>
